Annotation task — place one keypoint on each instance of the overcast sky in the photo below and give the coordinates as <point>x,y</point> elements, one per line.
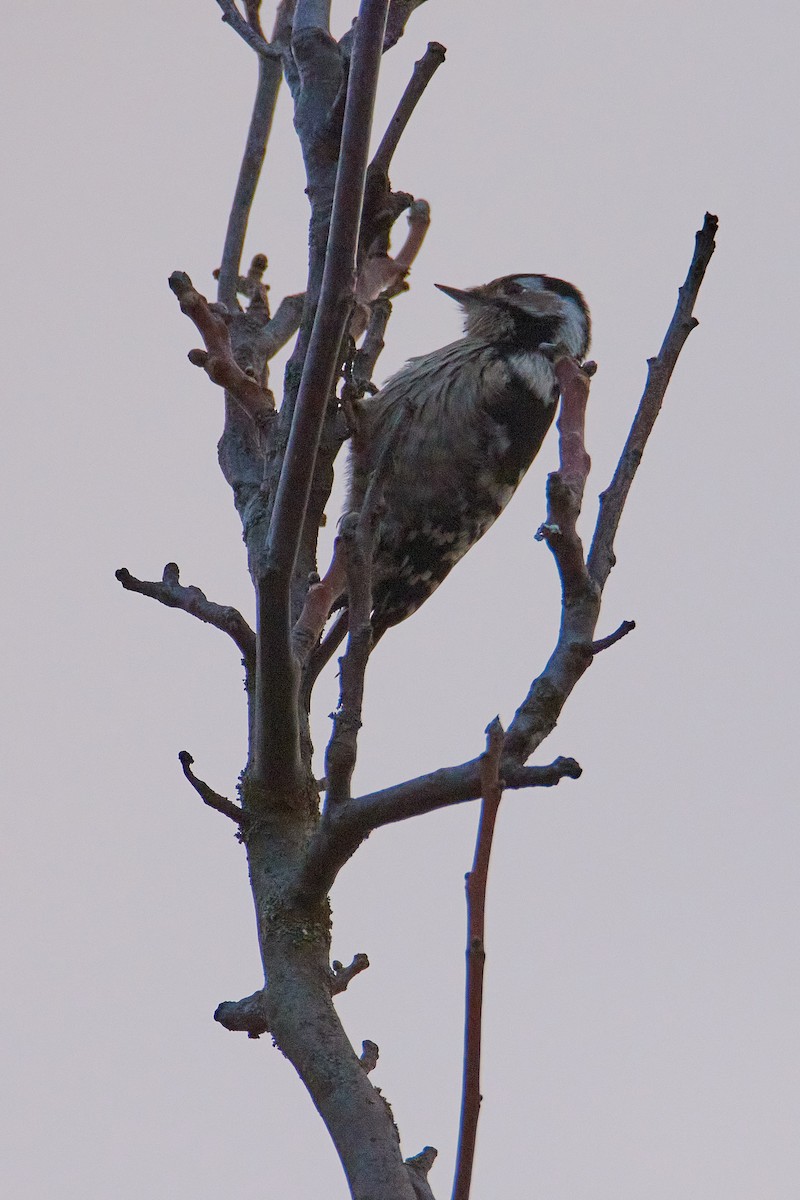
<point>643,980</point>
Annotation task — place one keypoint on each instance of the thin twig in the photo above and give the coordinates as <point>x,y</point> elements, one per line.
<point>252,10</point>
<point>284,324</point>
<point>659,372</point>
<point>612,638</point>
<point>269,79</point>
<point>248,32</point>
<point>171,592</point>
<point>476,881</point>
<point>277,731</point>
<point>424,70</point>
<point>384,275</point>
<point>207,794</point>
<point>341,975</point>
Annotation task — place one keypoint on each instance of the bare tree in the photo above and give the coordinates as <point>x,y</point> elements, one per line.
<point>278,461</point>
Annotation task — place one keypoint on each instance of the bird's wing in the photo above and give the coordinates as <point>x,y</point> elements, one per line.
<point>439,492</point>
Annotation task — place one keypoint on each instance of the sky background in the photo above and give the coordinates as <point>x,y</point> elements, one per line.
<point>643,981</point>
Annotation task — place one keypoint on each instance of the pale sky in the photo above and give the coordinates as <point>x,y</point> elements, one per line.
<point>643,981</point>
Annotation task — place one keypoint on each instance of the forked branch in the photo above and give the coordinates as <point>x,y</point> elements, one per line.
<point>248,30</point>
<point>170,591</point>
<point>342,830</point>
<point>583,583</point>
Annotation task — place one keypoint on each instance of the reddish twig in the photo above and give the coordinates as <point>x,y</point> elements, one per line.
<point>384,274</point>
<point>217,359</point>
<point>492,793</point>
<point>565,487</point>
<point>252,10</point>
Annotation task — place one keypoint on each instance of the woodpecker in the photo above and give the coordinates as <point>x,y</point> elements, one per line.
<point>461,426</point>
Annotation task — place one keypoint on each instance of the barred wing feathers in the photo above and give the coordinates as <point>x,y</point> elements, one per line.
<point>462,426</point>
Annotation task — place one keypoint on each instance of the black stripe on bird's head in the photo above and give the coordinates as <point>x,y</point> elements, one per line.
<point>525,311</point>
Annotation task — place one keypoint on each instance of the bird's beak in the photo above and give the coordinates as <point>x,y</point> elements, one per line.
<point>457,294</point>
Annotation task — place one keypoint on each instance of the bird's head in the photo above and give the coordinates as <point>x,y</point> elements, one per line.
<point>526,311</point>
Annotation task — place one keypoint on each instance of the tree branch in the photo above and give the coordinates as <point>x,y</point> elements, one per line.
<point>355,544</point>
<point>659,373</point>
<point>418,1168</point>
<point>448,786</point>
<point>171,592</point>
<point>247,31</point>
<point>341,833</point>
<point>244,1016</point>
<point>341,975</point>
<point>368,353</point>
<point>476,882</point>
<point>565,487</point>
<point>399,13</point>
<point>384,275</point>
<point>369,1055</point>
<point>217,359</point>
<point>424,70</point>
<point>269,79</point>
<point>207,794</point>
<point>582,586</point>
<point>283,325</point>
<point>277,747</point>
<point>612,638</point>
